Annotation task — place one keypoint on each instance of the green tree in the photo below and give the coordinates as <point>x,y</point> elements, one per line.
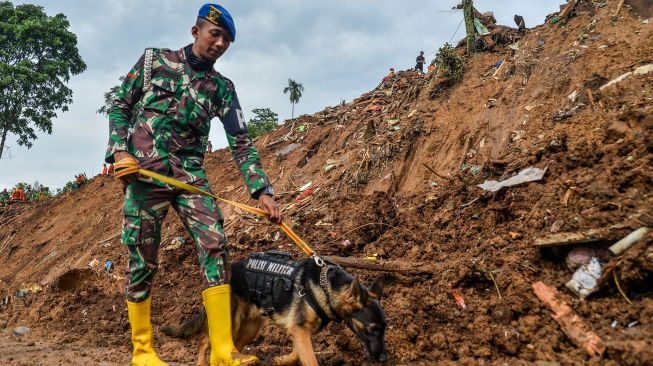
<point>264,121</point>
<point>451,65</point>
<point>38,55</point>
<point>295,89</point>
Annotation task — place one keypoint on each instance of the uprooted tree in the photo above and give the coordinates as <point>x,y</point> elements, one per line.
<point>38,55</point>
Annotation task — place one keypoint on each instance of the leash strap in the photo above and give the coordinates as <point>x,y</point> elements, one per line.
<point>130,166</point>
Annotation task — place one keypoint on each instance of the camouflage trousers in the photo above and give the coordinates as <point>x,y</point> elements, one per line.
<point>145,208</point>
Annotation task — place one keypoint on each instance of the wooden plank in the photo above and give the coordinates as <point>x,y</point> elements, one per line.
<point>572,325</point>
<point>383,265</point>
<point>565,12</point>
<point>580,237</point>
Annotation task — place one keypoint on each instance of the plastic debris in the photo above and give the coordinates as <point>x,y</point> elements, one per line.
<point>304,194</point>
<point>529,174</point>
<point>630,239</point>
<point>392,122</point>
<point>301,128</point>
<point>586,278</point>
<point>94,263</point>
<point>345,243</point>
<point>21,331</point>
<point>373,257</point>
<point>108,265</point>
<point>642,70</point>
<point>32,287</point>
<point>460,300</point>
<point>305,186</point>
<point>175,243</point>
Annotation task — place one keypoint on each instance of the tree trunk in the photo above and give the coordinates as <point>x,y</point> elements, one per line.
<point>2,143</point>
<point>292,115</point>
<point>469,26</point>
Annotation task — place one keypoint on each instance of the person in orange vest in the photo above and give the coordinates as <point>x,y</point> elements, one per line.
<point>111,168</point>
<point>105,169</point>
<point>41,196</point>
<point>80,179</point>
<point>19,195</point>
<point>390,75</point>
<point>431,68</point>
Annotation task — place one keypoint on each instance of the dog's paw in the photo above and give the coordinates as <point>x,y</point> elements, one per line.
<point>286,360</point>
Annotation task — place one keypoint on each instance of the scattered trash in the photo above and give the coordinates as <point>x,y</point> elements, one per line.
<point>628,241</point>
<point>373,257</point>
<point>529,108</point>
<point>412,113</point>
<point>529,174</point>
<point>32,287</point>
<point>175,243</point>
<point>94,263</point>
<point>491,102</point>
<point>632,324</point>
<point>301,128</point>
<point>276,236</point>
<point>586,278</point>
<point>458,297</point>
<point>108,265</point>
<point>614,324</point>
<point>21,331</point>
<point>434,184</point>
<point>569,196</point>
<point>540,41</point>
<point>287,150</point>
<point>474,169</point>
<point>573,96</point>
<point>566,113</point>
<point>516,136</point>
<point>642,70</point>
<point>305,193</point>
<point>20,294</point>
<point>345,243</point>
<point>572,325</point>
<point>392,122</point>
<point>305,186</point>
<point>328,167</point>
<point>396,128</point>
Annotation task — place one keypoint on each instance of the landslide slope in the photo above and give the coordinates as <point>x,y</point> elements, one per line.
<point>395,173</point>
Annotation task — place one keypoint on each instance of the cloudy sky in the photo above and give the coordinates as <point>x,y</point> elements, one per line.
<point>336,49</point>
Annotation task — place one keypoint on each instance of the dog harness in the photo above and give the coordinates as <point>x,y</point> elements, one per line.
<point>270,277</point>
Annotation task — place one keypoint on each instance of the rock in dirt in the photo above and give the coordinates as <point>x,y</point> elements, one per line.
<point>21,331</point>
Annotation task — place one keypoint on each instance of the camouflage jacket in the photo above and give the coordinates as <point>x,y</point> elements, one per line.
<point>174,106</point>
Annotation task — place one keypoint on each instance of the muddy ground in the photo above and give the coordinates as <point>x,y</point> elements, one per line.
<point>395,172</point>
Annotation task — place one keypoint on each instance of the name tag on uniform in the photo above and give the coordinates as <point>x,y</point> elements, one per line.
<point>269,267</point>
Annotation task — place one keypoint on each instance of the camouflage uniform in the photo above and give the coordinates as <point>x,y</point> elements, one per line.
<point>174,105</point>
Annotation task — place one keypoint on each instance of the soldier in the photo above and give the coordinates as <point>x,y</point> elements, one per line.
<point>4,197</point>
<point>180,93</point>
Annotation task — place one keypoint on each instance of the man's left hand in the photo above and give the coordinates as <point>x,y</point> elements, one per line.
<point>272,207</point>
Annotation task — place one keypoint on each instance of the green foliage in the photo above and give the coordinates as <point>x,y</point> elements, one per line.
<point>264,121</point>
<point>38,55</point>
<point>69,187</point>
<point>451,65</point>
<point>110,96</point>
<point>295,89</point>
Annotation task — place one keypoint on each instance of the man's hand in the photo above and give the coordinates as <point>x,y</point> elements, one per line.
<point>127,179</point>
<point>272,207</point>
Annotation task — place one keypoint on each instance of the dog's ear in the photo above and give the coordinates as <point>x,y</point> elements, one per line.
<point>357,291</point>
<point>377,288</point>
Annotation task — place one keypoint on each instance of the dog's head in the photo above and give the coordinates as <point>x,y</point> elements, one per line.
<point>360,308</point>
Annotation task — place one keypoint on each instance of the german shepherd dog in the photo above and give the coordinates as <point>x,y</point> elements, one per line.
<point>300,296</point>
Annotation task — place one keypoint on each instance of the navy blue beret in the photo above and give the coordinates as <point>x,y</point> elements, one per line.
<point>218,15</point>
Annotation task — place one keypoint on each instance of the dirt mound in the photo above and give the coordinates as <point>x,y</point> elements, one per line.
<point>394,175</point>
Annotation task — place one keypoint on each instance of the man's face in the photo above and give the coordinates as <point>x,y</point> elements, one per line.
<point>211,40</point>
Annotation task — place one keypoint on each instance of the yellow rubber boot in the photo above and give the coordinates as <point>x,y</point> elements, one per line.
<point>142,334</point>
<point>217,302</point>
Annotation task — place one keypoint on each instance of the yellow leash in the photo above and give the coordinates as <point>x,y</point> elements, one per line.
<point>130,166</point>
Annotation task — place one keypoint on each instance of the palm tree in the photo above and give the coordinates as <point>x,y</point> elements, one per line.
<point>295,90</point>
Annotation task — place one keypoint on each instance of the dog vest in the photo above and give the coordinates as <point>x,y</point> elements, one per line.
<point>270,277</point>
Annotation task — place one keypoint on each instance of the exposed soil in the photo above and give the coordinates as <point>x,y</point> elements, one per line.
<point>405,194</point>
